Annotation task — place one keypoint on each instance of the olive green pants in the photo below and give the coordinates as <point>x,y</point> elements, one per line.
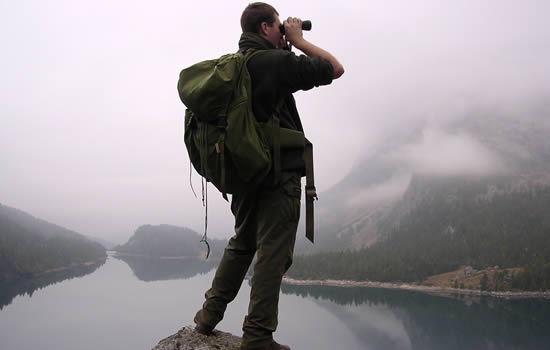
<point>265,224</point>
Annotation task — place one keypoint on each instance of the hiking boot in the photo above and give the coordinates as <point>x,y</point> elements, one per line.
<point>276,346</point>
<point>201,327</point>
<point>273,346</point>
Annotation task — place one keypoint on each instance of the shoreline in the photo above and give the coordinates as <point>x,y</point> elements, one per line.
<point>32,275</point>
<point>68,267</point>
<point>417,288</point>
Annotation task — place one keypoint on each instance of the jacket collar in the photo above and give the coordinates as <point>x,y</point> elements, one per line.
<point>254,41</point>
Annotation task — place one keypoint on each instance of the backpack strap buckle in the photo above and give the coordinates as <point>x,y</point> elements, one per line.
<point>311,193</point>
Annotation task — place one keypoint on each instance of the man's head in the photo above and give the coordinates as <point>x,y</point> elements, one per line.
<point>262,19</point>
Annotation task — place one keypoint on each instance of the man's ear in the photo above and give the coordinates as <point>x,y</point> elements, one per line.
<point>263,29</point>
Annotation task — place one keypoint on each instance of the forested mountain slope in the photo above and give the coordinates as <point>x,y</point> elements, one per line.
<point>453,225</point>
<point>30,246</point>
<point>169,241</point>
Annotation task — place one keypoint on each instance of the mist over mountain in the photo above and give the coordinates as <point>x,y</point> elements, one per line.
<point>508,148</point>
<point>472,190</point>
<point>30,246</point>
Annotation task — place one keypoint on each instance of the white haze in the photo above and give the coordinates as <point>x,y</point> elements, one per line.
<point>91,124</point>
<point>441,153</point>
<point>384,192</point>
<point>435,152</point>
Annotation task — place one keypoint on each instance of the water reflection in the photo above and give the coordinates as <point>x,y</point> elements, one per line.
<point>393,319</point>
<point>10,289</point>
<point>157,269</point>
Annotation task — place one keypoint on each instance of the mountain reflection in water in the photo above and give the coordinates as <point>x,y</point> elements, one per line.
<point>393,319</point>
<point>10,289</point>
<point>157,269</point>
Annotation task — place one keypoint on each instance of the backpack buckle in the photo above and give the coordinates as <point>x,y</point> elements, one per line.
<point>311,193</point>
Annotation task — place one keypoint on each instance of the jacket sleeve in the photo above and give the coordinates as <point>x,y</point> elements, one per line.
<point>303,72</point>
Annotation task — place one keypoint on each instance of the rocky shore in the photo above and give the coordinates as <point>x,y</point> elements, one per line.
<point>419,288</point>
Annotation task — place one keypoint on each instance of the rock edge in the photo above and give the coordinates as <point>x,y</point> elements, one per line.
<point>188,339</point>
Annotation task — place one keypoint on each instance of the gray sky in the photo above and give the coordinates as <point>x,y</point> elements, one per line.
<point>91,133</point>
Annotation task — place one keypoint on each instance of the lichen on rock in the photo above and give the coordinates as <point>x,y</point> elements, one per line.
<point>188,339</point>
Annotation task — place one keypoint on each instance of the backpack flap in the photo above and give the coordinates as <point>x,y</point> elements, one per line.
<point>207,87</point>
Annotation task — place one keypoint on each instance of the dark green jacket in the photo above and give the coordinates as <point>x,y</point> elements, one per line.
<point>276,74</point>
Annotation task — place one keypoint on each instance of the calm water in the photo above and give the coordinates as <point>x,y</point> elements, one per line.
<point>132,304</point>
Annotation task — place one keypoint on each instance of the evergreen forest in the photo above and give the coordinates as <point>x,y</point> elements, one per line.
<point>447,229</point>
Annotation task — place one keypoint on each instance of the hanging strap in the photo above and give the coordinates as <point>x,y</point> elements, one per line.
<point>311,192</point>
<point>204,165</point>
<point>220,149</point>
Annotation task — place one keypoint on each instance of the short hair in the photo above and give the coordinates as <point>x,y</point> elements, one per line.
<point>256,13</point>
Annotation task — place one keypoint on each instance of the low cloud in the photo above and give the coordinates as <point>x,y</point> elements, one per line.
<point>438,152</point>
<point>434,151</point>
<point>389,190</point>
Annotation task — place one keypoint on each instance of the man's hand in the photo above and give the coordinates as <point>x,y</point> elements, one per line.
<point>293,30</point>
<point>293,34</point>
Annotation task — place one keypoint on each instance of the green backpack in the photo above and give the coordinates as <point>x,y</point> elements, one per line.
<point>226,144</point>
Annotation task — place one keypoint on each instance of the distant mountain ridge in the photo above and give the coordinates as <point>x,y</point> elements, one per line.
<point>30,246</point>
<point>35,224</point>
<point>168,241</point>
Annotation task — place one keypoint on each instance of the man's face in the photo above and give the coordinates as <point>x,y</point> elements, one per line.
<point>274,33</point>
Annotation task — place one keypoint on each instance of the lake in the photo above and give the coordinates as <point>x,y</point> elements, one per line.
<point>133,303</point>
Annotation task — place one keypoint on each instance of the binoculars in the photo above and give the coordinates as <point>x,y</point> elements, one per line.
<point>306,25</point>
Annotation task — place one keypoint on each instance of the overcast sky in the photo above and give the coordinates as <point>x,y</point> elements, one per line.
<point>91,132</point>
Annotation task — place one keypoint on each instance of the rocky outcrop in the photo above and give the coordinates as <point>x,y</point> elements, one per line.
<point>188,339</point>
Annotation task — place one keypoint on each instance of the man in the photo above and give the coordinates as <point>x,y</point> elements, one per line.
<point>266,218</point>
